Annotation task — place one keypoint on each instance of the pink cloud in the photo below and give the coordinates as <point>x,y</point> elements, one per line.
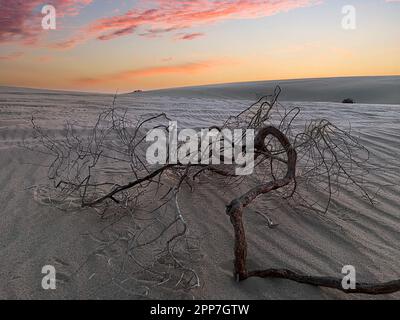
<point>190,36</point>
<point>20,21</point>
<point>163,16</point>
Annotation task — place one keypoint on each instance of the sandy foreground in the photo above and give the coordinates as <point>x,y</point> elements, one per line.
<point>352,233</point>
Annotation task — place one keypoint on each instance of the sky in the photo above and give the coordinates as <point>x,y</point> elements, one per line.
<point>127,45</point>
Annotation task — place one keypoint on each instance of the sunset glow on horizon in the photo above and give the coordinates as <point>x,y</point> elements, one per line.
<point>104,45</point>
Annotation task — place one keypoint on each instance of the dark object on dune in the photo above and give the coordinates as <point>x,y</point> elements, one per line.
<point>348,100</point>
<point>138,91</point>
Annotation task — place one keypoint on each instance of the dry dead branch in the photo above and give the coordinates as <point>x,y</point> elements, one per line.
<point>104,168</point>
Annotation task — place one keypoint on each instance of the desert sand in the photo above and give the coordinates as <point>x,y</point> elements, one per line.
<point>353,232</point>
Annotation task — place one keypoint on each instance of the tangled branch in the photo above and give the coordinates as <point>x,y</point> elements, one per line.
<point>104,168</point>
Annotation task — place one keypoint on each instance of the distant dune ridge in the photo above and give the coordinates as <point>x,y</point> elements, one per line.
<point>371,90</point>
<point>385,90</point>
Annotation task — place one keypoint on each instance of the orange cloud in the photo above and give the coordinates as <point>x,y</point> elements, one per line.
<point>12,56</point>
<point>185,68</point>
<point>45,58</point>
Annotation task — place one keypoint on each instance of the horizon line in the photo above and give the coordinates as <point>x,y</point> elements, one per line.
<point>194,86</point>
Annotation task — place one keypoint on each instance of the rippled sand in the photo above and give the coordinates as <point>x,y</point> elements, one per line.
<point>353,232</point>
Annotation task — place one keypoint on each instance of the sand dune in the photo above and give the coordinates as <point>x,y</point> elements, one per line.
<point>353,232</point>
<point>361,89</point>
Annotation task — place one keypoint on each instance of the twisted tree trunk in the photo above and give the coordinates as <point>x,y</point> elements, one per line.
<point>235,211</point>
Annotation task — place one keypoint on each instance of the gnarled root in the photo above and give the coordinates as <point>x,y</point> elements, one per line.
<point>235,212</point>
<point>328,282</point>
